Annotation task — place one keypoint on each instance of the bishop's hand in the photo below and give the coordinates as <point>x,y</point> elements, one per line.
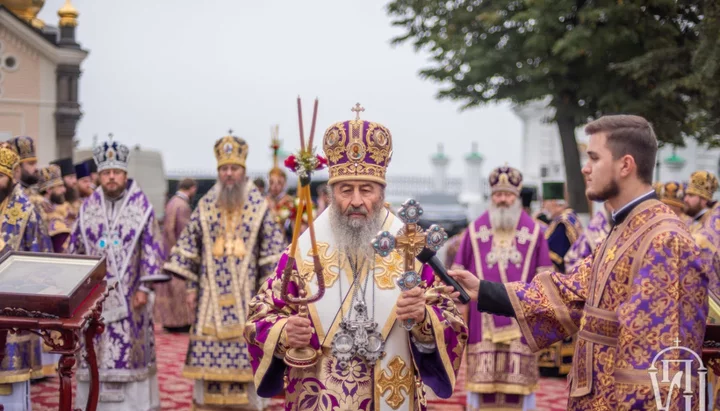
<point>468,281</point>
<point>298,331</point>
<point>411,305</point>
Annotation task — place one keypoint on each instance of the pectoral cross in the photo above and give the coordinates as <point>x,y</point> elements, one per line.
<point>409,242</point>
<point>357,109</point>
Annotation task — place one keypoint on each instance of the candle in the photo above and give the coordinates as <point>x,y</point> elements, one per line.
<point>312,127</point>
<point>302,136</point>
<point>311,226</point>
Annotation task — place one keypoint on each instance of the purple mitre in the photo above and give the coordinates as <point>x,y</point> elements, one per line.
<point>357,150</point>
<point>507,179</point>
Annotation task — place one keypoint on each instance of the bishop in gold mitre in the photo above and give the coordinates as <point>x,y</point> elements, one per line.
<point>225,253</point>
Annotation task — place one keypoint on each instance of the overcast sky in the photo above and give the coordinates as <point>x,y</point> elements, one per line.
<point>174,75</point>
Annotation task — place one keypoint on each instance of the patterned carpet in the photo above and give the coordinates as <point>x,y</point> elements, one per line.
<point>176,391</point>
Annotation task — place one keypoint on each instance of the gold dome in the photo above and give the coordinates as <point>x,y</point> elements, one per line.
<point>26,10</point>
<point>68,15</point>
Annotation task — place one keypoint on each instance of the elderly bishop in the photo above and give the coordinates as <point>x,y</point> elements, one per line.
<point>227,250</point>
<point>505,244</point>
<point>367,360</point>
<point>118,222</point>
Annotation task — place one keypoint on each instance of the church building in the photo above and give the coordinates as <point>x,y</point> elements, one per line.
<point>39,76</point>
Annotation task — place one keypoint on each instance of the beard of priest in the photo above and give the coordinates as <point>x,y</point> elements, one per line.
<point>356,215</point>
<point>504,211</point>
<point>28,173</point>
<point>232,187</point>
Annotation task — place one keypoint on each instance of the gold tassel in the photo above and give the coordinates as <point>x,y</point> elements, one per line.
<point>219,247</point>
<point>239,248</point>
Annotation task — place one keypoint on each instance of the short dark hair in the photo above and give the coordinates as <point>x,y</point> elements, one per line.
<point>629,135</point>
<point>187,184</point>
<point>259,183</point>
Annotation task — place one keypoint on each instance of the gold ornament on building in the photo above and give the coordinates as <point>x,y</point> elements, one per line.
<point>26,10</point>
<point>68,15</point>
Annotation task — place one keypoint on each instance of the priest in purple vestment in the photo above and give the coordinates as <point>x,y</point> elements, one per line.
<point>387,367</point>
<point>54,209</point>
<point>171,307</point>
<point>505,244</point>
<point>118,222</point>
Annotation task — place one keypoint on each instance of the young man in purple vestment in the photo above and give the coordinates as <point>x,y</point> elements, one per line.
<point>366,360</point>
<point>118,222</point>
<point>171,307</point>
<point>504,244</point>
<point>227,250</point>
<point>20,230</point>
<point>640,301</point>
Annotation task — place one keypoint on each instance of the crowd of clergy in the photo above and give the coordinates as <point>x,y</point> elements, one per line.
<point>551,297</point>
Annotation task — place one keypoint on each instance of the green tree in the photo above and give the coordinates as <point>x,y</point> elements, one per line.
<point>592,57</point>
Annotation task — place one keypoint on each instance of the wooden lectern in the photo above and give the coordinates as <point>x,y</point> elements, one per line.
<point>56,297</point>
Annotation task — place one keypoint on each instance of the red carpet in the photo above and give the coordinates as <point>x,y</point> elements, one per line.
<point>176,391</point>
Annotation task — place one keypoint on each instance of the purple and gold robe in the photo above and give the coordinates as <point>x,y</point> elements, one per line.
<point>126,233</point>
<point>589,240</point>
<point>501,367</point>
<point>398,381</point>
<point>644,291</point>
<point>171,308</point>
<point>218,356</point>
<point>21,229</point>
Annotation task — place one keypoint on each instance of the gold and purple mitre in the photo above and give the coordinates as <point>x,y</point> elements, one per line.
<point>357,150</point>
<point>702,183</point>
<point>25,147</point>
<point>231,150</point>
<point>111,155</point>
<point>506,179</point>
<point>671,193</point>
<point>49,177</point>
<point>9,159</point>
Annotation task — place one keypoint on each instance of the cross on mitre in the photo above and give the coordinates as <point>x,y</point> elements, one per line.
<point>357,109</point>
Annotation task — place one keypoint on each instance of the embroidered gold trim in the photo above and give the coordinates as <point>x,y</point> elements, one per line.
<point>214,374</point>
<point>269,347</point>
<point>183,272</point>
<point>487,388</point>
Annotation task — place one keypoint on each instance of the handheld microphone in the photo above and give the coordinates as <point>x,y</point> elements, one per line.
<point>427,256</point>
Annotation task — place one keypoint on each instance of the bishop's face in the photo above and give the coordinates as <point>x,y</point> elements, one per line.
<point>231,174</point>
<point>357,200</point>
<point>113,182</point>
<point>503,199</point>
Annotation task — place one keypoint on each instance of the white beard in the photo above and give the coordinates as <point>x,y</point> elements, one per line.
<point>505,219</point>
<point>354,237</point>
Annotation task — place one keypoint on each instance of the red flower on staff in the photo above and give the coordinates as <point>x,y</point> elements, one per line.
<point>321,162</point>
<point>291,163</point>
